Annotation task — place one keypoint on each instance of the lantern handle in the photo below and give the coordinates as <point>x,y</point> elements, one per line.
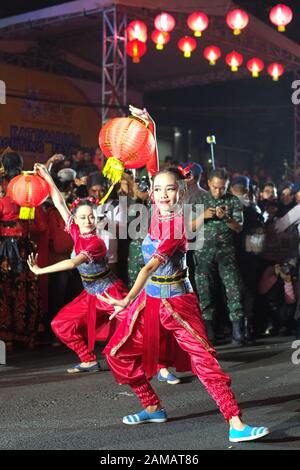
<point>32,172</point>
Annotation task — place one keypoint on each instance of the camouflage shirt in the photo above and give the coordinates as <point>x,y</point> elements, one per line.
<point>216,230</point>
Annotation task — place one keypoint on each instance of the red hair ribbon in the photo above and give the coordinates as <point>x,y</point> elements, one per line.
<point>185,171</point>
<point>90,199</point>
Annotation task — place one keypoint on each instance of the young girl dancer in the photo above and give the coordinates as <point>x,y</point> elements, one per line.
<point>86,318</point>
<point>162,298</point>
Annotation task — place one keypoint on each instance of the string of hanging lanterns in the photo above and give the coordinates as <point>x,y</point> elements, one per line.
<point>237,20</point>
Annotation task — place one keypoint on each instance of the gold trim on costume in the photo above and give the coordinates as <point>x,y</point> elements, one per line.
<point>187,326</point>
<point>136,313</point>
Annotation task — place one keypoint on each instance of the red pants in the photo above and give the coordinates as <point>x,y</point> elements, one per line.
<point>71,323</point>
<point>127,367</point>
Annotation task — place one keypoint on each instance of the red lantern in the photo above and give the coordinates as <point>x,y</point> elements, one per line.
<point>136,49</point>
<point>164,22</point>
<point>187,45</point>
<point>28,190</point>
<point>234,60</point>
<point>281,15</point>
<point>197,22</point>
<point>255,66</point>
<point>137,30</point>
<point>160,38</point>
<point>127,143</point>
<point>212,54</point>
<point>237,20</point>
<point>275,70</point>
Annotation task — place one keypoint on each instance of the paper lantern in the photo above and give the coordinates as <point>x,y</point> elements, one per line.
<point>136,49</point>
<point>275,70</point>
<point>164,22</point>
<point>137,30</point>
<point>28,190</point>
<point>160,38</point>
<point>234,60</point>
<point>255,66</point>
<point>197,22</point>
<point>281,15</point>
<point>126,142</point>
<point>237,20</point>
<point>187,45</point>
<point>212,54</point>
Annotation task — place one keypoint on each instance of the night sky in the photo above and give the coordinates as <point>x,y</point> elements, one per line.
<point>252,114</point>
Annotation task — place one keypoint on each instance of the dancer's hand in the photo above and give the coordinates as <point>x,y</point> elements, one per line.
<point>141,114</point>
<point>32,263</point>
<point>119,304</point>
<point>43,172</point>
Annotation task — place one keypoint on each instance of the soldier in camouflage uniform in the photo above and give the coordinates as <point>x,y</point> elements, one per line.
<point>223,215</point>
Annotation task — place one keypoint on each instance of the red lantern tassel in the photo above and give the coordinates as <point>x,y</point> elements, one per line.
<point>27,213</point>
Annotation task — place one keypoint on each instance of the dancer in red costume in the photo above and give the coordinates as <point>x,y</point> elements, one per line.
<point>86,318</point>
<point>162,298</point>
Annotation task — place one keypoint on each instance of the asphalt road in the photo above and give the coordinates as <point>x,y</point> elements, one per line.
<point>42,407</point>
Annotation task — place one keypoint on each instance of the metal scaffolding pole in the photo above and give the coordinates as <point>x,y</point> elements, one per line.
<point>114,64</point>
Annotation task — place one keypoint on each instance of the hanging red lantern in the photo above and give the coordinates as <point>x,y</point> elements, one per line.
<point>28,190</point>
<point>187,45</point>
<point>237,20</point>
<point>281,15</point>
<point>126,142</point>
<point>255,66</point>
<point>212,54</point>
<point>234,60</point>
<point>160,38</point>
<point>275,70</point>
<point>197,22</point>
<point>136,49</point>
<point>137,30</point>
<point>164,22</point>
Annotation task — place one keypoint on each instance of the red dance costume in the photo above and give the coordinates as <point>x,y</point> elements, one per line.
<point>87,316</point>
<point>167,303</point>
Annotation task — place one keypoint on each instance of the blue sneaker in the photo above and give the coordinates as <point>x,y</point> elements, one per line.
<point>79,368</point>
<point>159,416</point>
<point>170,379</point>
<point>249,433</point>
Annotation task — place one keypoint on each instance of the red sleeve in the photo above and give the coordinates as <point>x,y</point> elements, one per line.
<point>172,238</point>
<point>72,228</point>
<point>94,248</point>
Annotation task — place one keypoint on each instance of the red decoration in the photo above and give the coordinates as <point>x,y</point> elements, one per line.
<point>237,20</point>
<point>275,70</point>
<point>197,22</point>
<point>212,54</point>
<point>281,15</point>
<point>255,66</point>
<point>28,190</point>
<point>160,38</point>
<point>127,139</point>
<point>234,60</point>
<point>164,22</point>
<point>136,49</point>
<point>187,45</point>
<point>137,30</point>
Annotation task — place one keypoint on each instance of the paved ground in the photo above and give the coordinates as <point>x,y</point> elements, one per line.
<point>42,407</point>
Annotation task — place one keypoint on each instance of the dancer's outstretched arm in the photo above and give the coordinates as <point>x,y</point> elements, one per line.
<point>64,265</point>
<point>138,286</point>
<point>55,194</point>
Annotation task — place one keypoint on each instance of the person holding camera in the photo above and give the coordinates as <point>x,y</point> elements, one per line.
<point>223,216</point>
